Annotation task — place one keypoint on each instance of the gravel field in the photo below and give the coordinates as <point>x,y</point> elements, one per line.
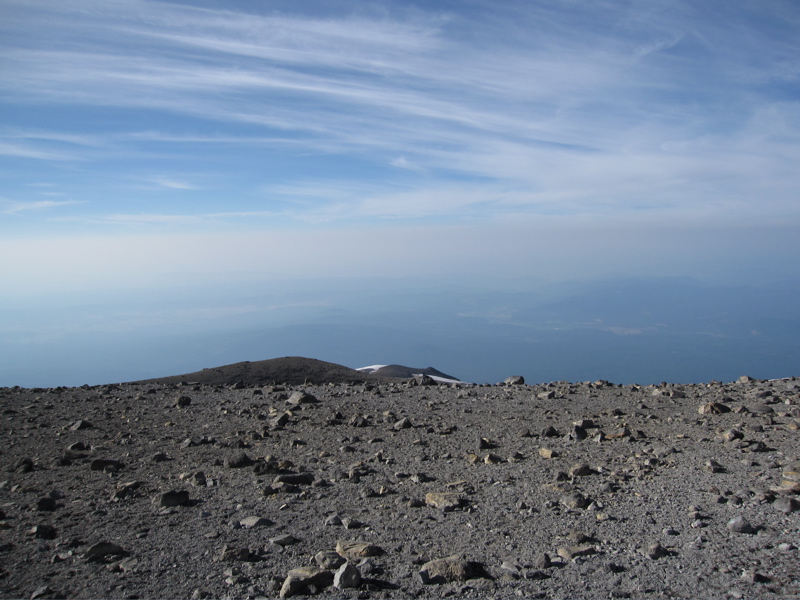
<point>401,489</point>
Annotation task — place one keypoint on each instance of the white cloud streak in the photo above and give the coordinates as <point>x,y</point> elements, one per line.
<point>8,207</point>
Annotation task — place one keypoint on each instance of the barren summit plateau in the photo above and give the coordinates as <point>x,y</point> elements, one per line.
<point>268,481</point>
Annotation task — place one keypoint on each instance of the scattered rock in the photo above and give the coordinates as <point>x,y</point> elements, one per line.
<point>173,498</point>
<point>740,525</point>
<point>106,464</point>
<point>255,521</point>
<point>581,471</point>
<point>404,423</point>
<point>239,461</point>
<point>713,408</point>
<point>547,453</point>
<point>356,550</point>
<point>574,501</point>
<point>284,540</point>
<point>571,552</point>
<point>46,592</point>
<point>232,554</point>
<point>347,576</point>
<point>297,580</point>
<point>299,397</point>
<point>542,561</point>
<point>294,479</point>
<point>447,570</point>
<point>655,551</point>
<point>444,501</point>
<point>101,550</point>
<point>328,559</point>
<point>46,504</point>
<point>786,505</point>
<point>45,532</point>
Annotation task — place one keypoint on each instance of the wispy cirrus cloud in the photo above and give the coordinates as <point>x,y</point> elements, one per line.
<point>522,108</point>
<point>174,184</point>
<point>9,207</point>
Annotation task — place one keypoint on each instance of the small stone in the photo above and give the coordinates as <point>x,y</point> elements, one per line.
<point>620,433</point>
<point>355,550</point>
<point>404,423</point>
<point>255,521</point>
<point>347,576</point>
<point>23,465</point>
<point>349,523</point>
<point>103,464</point>
<point>786,505</point>
<point>578,537</point>
<point>333,521</point>
<point>299,397</point>
<point>514,380</point>
<point>731,435</point>
<point>740,525</point>
<point>45,592</point>
<point>198,479</point>
<point>446,570</point>
<point>581,471</point>
<point>511,566</point>
<point>295,479</point>
<point>44,532</point>
<point>753,576</point>
<point>713,408</point>
<point>238,461</point>
<point>46,504</point>
<point>101,550</point>
<point>284,540</point>
<point>230,554</point>
<point>571,552</point>
<point>547,453</point>
<point>492,459</point>
<point>444,501</point>
<point>574,501</point>
<point>578,433</point>
<point>328,559</point>
<point>655,551</point>
<point>173,498</point>
<point>301,578</point>
<point>80,425</point>
<point>542,561</point>
<point>183,401</point>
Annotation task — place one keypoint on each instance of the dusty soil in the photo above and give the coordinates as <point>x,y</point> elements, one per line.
<point>560,490</point>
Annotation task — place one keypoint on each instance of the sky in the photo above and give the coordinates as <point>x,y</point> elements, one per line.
<point>217,158</point>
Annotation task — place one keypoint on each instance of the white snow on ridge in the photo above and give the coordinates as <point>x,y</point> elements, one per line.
<point>371,369</point>
<point>443,379</point>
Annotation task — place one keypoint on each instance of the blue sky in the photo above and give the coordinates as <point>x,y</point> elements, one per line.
<point>148,146</point>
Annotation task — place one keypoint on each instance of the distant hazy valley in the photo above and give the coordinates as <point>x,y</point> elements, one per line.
<point>625,331</point>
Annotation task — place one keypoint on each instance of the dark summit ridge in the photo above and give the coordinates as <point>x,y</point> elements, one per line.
<point>293,370</point>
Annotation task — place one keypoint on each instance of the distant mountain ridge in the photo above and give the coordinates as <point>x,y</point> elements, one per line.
<point>295,370</point>
<point>292,370</point>
<point>406,372</point>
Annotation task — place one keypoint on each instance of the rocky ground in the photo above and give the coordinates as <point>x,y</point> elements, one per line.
<point>395,490</point>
